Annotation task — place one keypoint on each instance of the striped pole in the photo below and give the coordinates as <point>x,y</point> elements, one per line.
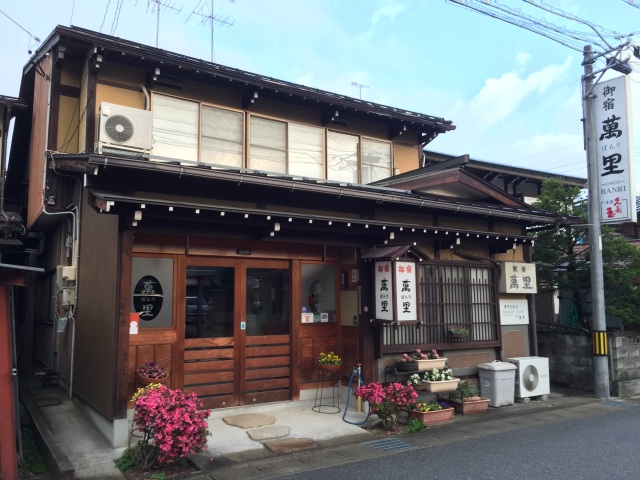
<point>600,343</point>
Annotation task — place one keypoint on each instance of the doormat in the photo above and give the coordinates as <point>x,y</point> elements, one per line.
<point>390,445</point>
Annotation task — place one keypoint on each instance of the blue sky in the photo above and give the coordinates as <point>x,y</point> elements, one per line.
<point>513,95</point>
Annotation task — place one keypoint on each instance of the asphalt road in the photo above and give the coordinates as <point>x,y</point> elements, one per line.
<point>593,448</point>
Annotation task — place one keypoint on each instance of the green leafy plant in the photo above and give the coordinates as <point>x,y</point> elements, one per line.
<point>415,426</point>
<point>387,402</point>
<point>461,331</point>
<point>171,425</point>
<point>467,389</point>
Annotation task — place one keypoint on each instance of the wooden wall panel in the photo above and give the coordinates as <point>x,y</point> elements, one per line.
<point>38,143</point>
<point>97,311</point>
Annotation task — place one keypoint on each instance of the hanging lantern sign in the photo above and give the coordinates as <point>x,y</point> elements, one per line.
<point>396,293</point>
<point>405,283</point>
<point>384,290</point>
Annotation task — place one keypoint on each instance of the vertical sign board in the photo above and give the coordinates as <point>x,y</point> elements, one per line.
<point>384,290</point>
<point>406,298</point>
<point>614,147</point>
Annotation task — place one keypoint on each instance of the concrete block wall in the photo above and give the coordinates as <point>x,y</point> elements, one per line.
<point>571,361</point>
<point>624,353</point>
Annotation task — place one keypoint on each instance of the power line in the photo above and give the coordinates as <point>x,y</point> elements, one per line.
<point>31,37</point>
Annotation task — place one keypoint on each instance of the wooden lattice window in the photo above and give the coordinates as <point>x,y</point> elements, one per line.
<point>451,295</point>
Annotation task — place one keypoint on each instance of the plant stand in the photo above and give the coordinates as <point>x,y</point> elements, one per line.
<point>327,403</point>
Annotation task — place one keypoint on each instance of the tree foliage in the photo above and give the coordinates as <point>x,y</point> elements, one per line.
<point>563,258</point>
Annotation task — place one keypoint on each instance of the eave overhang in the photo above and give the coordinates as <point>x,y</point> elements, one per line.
<point>93,163</point>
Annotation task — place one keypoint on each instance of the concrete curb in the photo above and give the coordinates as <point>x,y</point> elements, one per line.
<point>57,461</point>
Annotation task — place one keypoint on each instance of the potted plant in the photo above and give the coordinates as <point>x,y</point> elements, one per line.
<point>457,334</point>
<point>428,360</point>
<point>439,380</point>
<point>407,364</point>
<point>329,362</point>
<point>387,402</point>
<point>150,372</point>
<point>432,412</point>
<point>467,399</point>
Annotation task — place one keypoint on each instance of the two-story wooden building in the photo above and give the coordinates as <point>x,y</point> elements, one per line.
<point>227,225</point>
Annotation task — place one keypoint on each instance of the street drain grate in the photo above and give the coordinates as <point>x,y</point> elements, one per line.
<point>390,445</point>
<point>619,404</point>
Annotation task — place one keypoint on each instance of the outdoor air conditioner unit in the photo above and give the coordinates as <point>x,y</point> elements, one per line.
<point>124,129</point>
<point>532,376</point>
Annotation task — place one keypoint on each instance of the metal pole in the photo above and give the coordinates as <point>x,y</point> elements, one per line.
<point>599,324</point>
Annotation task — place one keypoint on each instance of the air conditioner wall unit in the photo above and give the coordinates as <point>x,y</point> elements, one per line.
<point>532,376</point>
<point>125,129</point>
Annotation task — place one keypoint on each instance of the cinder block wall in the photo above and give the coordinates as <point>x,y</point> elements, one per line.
<point>624,352</point>
<point>571,361</point>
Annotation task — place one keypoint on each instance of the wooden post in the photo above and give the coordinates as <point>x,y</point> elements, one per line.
<point>8,451</point>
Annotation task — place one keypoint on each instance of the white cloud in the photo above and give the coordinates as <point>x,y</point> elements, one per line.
<point>388,11</point>
<point>500,97</point>
<point>522,58</point>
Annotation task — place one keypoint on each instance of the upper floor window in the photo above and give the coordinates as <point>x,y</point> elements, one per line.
<point>222,135</point>
<point>191,132</point>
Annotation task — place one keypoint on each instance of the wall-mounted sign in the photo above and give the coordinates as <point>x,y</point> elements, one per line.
<point>152,291</point>
<point>614,151</point>
<point>306,317</point>
<point>395,291</point>
<point>514,311</point>
<point>518,277</point>
<point>384,290</point>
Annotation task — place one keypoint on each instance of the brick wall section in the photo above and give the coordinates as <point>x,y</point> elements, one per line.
<point>513,345</point>
<point>571,361</point>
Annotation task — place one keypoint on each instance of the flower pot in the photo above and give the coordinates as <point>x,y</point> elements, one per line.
<point>471,405</point>
<point>406,367</point>
<point>329,368</point>
<point>441,386</point>
<point>142,381</point>
<point>434,416</point>
<point>430,364</point>
<point>457,337</point>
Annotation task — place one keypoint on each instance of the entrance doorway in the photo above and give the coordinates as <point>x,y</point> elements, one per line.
<point>237,331</point>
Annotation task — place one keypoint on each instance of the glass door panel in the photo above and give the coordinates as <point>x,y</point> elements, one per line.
<point>209,302</point>
<point>268,299</point>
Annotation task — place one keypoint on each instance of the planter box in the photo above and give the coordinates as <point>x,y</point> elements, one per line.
<point>438,363</point>
<point>435,416</point>
<point>406,367</point>
<point>442,386</point>
<point>471,406</point>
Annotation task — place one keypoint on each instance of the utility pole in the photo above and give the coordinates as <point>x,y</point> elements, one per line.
<point>599,324</point>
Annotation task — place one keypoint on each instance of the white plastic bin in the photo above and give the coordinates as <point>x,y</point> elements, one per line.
<point>497,382</point>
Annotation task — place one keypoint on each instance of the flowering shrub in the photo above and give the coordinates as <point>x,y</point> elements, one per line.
<point>388,402</point>
<point>432,355</point>
<point>329,359</point>
<point>431,406</point>
<point>436,375</point>
<point>407,359</point>
<point>172,426</point>
<point>151,370</point>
